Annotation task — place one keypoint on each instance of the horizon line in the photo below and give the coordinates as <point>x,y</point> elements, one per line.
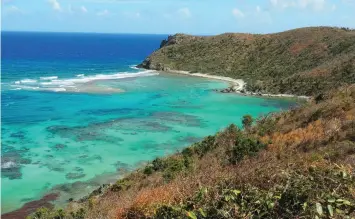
<point>75,32</point>
<point>167,34</point>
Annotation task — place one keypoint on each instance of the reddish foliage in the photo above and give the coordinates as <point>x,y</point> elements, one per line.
<point>31,207</point>
<point>297,48</point>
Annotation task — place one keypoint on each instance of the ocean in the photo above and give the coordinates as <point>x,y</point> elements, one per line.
<point>76,113</point>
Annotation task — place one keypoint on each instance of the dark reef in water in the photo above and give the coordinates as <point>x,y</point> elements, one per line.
<point>119,111</point>
<point>12,161</point>
<point>59,147</point>
<point>19,135</point>
<point>77,174</point>
<point>72,175</point>
<point>121,167</point>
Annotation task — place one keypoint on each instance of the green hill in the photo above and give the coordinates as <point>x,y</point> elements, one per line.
<point>303,61</point>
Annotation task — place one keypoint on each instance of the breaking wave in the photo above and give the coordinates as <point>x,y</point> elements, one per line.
<point>80,83</point>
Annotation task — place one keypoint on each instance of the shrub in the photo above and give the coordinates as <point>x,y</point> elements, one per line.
<point>265,125</point>
<point>188,152</point>
<point>247,121</point>
<point>80,214</point>
<point>158,164</point>
<point>244,146</point>
<point>206,145</point>
<point>120,185</point>
<point>45,213</point>
<point>148,169</point>
<point>174,166</point>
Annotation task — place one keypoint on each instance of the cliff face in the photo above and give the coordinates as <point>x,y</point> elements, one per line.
<point>303,61</point>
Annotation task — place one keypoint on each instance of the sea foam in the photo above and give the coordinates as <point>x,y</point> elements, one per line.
<point>7,165</point>
<point>26,81</point>
<point>49,78</point>
<point>134,67</point>
<point>54,84</point>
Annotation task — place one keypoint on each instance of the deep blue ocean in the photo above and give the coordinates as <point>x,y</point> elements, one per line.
<point>76,113</point>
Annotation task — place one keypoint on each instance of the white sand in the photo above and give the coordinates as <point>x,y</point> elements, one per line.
<point>237,84</point>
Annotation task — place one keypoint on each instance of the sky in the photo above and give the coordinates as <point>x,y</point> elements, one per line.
<point>203,17</point>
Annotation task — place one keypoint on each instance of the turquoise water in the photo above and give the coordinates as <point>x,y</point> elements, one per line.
<point>71,141</point>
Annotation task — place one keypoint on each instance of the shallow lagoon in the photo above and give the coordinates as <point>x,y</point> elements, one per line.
<point>52,140</point>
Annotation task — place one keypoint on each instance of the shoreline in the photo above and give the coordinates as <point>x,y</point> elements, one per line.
<point>236,85</point>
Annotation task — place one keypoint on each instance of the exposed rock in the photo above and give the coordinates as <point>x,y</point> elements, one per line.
<point>99,191</point>
<point>231,89</point>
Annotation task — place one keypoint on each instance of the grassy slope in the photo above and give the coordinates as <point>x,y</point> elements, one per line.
<point>294,164</point>
<point>303,61</point>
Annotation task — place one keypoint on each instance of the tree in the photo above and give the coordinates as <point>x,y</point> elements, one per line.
<point>247,121</point>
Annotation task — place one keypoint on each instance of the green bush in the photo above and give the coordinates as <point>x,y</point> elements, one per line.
<point>174,166</point>
<point>265,125</point>
<point>188,152</point>
<point>247,121</point>
<point>121,185</point>
<point>158,164</point>
<point>80,214</point>
<point>244,146</point>
<point>45,213</point>
<point>148,169</point>
<point>206,145</point>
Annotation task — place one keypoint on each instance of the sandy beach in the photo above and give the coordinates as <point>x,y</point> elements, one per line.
<point>238,85</point>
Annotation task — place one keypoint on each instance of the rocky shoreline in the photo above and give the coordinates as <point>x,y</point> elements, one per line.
<point>243,91</point>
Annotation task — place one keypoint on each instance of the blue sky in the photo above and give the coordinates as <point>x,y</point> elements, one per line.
<point>172,16</point>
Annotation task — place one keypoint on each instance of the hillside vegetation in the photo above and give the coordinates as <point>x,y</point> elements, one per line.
<point>304,61</point>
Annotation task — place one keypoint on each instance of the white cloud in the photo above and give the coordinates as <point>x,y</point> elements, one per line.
<point>316,5</point>
<point>184,12</point>
<point>5,1</point>
<point>258,9</point>
<point>334,7</point>
<point>282,3</point>
<point>103,13</point>
<point>238,13</point>
<point>70,9</point>
<point>118,1</point>
<point>55,5</point>
<point>83,9</point>
<point>132,14</point>
<point>12,9</point>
